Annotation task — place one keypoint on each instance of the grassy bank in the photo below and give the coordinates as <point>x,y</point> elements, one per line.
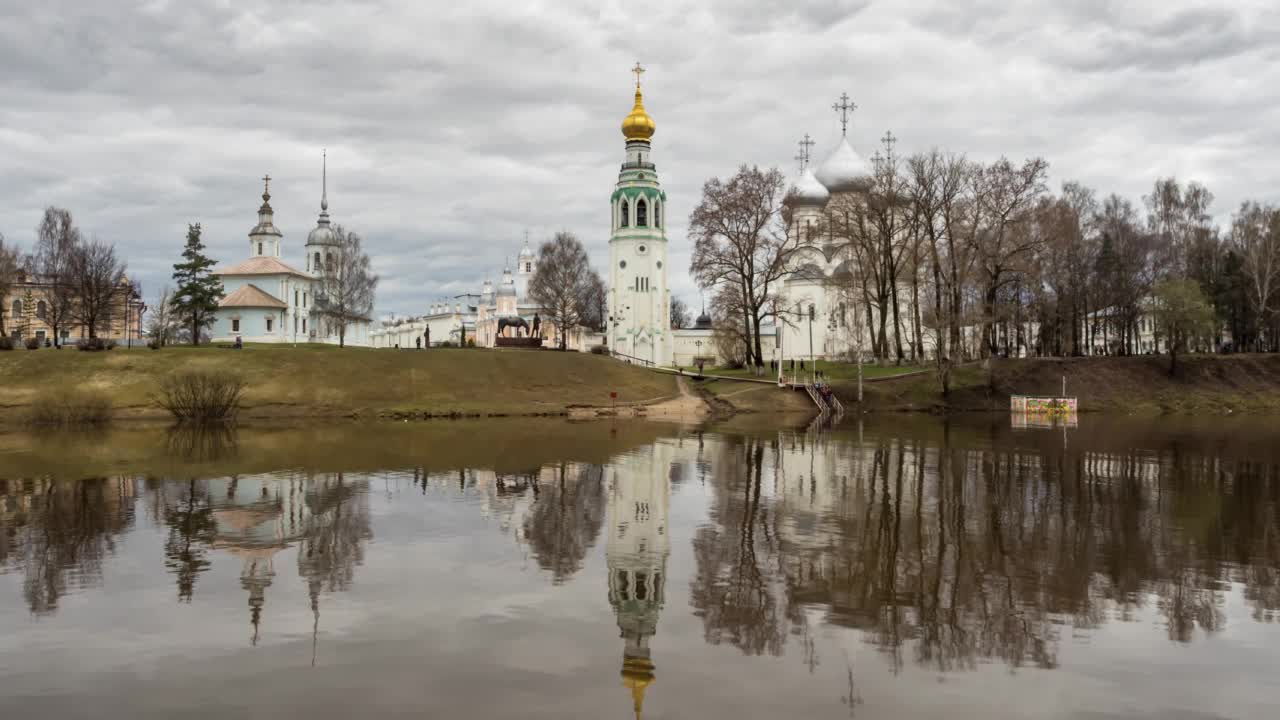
<point>1203,384</point>
<point>311,381</point>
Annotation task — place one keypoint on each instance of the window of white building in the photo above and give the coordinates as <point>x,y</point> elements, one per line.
<point>235,324</point>
<point>270,323</point>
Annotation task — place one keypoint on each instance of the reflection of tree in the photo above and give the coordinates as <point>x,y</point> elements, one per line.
<point>191,530</point>
<point>565,518</point>
<point>947,555</point>
<point>736,590</point>
<point>58,533</point>
<point>202,443</point>
<point>336,530</point>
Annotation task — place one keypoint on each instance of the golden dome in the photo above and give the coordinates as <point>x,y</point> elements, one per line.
<point>638,125</point>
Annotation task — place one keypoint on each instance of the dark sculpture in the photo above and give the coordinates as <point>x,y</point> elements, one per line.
<point>512,322</point>
<point>537,324</point>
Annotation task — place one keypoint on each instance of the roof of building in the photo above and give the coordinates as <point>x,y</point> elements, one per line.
<point>844,170</point>
<point>251,296</point>
<point>806,190</point>
<point>261,266</point>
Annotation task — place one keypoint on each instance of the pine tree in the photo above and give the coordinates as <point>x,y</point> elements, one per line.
<point>196,299</point>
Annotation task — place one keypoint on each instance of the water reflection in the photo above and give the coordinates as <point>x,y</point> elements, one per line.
<point>943,546</point>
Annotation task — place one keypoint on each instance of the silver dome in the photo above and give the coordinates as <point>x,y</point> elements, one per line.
<point>322,234</point>
<point>808,191</point>
<point>845,170</point>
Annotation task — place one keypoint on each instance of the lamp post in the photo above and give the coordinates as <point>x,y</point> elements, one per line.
<point>812,370</point>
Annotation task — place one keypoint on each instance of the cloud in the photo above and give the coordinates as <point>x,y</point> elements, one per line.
<point>453,128</point>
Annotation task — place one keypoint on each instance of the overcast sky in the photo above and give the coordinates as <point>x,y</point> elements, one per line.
<point>454,127</point>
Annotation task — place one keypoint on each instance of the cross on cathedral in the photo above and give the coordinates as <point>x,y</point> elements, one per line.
<point>844,107</point>
<point>638,70</point>
<point>889,141</point>
<point>266,187</point>
<point>804,156</point>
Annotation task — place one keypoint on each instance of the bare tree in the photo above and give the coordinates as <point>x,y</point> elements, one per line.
<point>876,225</point>
<point>1008,195</point>
<point>1255,231</point>
<point>9,269</point>
<point>347,289</point>
<point>57,242</point>
<point>740,239</point>
<point>935,184</point>
<point>98,283</point>
<point>681,317</point>
<point>730,333</point>
<point>161,327</point>
<point>596,303</point>
<point>564,284</point>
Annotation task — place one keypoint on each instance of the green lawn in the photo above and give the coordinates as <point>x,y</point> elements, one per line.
<point>326,380</point>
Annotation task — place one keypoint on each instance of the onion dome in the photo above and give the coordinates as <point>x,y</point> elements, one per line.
<point>845,170</point>
<point>703,322</point>
<point>808,191</point>
<point>638,125</point>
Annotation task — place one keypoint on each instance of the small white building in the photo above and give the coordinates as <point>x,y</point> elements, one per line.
<point>267,300</point>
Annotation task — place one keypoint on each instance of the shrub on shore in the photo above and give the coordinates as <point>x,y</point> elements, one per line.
<point>201,396</point>
<point>6,343</point>
<point>71,408</point>
<point>95,344</point>
<point>32,343</point>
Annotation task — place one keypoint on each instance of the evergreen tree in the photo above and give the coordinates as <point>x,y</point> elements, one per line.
<point>196,299</point>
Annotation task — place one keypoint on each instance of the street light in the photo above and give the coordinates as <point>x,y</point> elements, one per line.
<point>812,367</point>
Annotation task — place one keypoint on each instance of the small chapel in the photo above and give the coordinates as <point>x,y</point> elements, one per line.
<point>267,300</point>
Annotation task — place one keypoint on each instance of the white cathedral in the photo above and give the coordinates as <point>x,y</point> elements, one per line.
<point>269,301</point>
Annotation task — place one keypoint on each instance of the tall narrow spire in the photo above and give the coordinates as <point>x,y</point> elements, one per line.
<point>324,189</point>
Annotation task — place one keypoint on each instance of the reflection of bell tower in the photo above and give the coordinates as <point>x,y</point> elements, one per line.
<point>256,576</point>
<point>636,552</point>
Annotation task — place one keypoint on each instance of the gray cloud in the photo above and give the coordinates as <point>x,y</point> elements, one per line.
<point>453,128</point>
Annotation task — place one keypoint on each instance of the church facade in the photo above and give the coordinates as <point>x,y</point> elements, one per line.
<point>267,300</point>
<point>822,311</point>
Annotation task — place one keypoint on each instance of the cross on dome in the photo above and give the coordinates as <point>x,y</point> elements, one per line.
<point>889,141</point>
<point>266,187</point>
<point>638,70</point>
<point>844,107</point>
<point>805,146</point>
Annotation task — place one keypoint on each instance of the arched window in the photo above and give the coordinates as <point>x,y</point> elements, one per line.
<point>259,248</point>
<point>642,214</point>
<point>317,266</point>
<point>626,215</point>
<point>42,310</point>
<point>17,309</point>
<point>328,262</point>
<point>657,214</point>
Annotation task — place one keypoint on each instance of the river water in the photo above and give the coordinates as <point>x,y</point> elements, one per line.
<point>901,567</point>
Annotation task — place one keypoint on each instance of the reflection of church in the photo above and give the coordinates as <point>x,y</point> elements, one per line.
<point>636,552</point>
<point>257,517</point>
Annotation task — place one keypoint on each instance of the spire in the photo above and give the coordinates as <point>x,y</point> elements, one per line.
<point>324,179</point>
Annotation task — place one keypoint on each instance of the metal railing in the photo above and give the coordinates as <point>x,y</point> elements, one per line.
<point>630,358</point>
